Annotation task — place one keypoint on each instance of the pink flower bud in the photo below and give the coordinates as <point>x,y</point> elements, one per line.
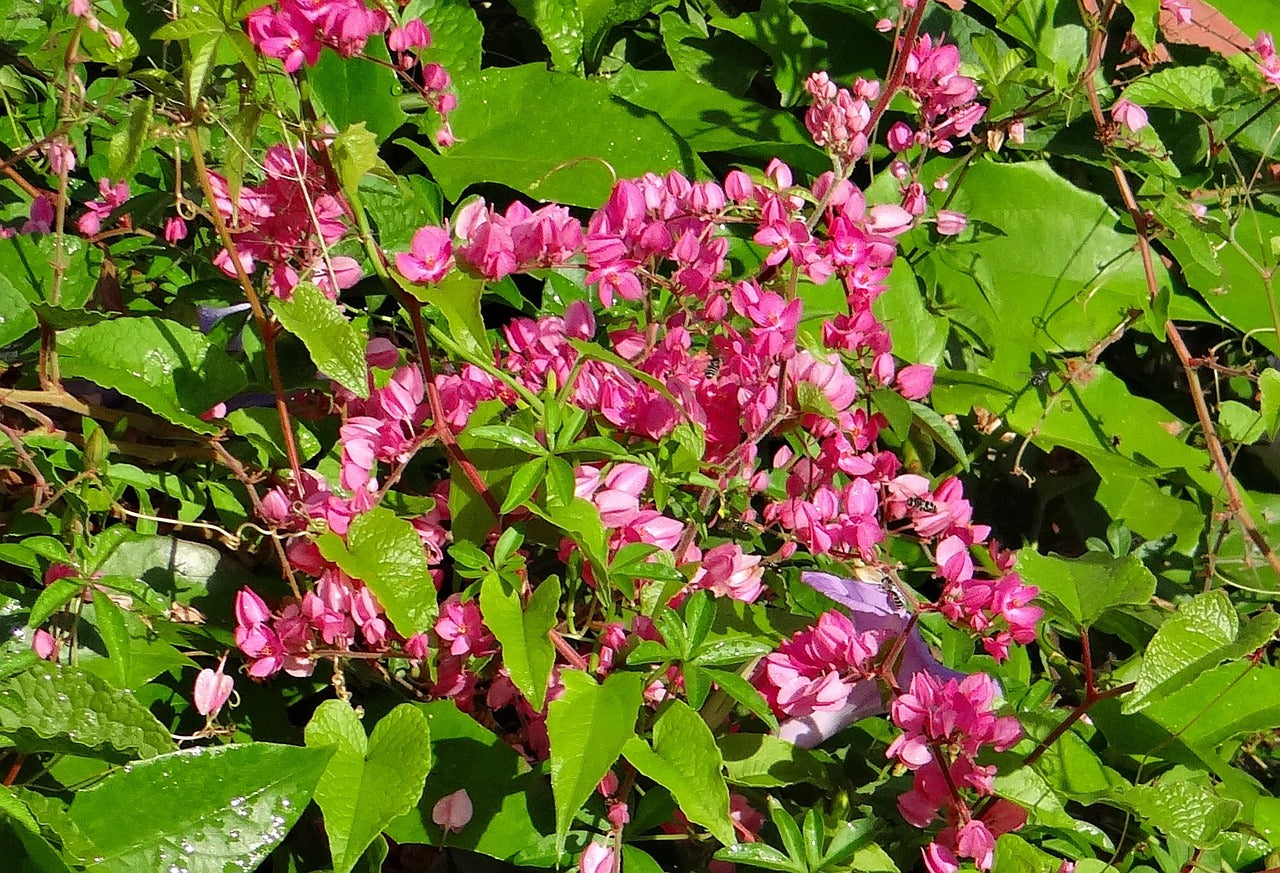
<point>175,230</point>
<point>416,647</point>
<point>213,687</point>
<point>899,137</point>
<point>596,858</point>
<point>738,186</point>
<point>44,645</point>
<point>950,223</point>
<point>915,381</point>
<point>1017,132</point>
<point>453,811</point>
<point>890,219</point>
<point>884,25</point>
<point>1129,115</point>
<point>250,608</point>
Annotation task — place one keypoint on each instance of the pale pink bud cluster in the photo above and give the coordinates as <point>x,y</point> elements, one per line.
<point>212,690</point>
<point>272,225</point>
<point>838,118</point>
<point>820,669</point>
<point>84,9</point>
<point>496,244</point>
<point>948,99</point>
<point>945,725</point>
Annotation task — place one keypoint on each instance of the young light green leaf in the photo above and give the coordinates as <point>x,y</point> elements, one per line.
<point>759,855</point>
<point>686,761</point>
<point>527,651</point>
<point>587,727</point>
<point>1205,632</point>
<point>204,809</point>
<point>385,552</point>
<point>744,693</point>
<point>1239,423</point>
<point>63,709</point>
<point>355,152</point>
<point>370,782</point>
<point>1191,89</point>
<point>1079,590</point>
<point>560,24</point>
<point>335,346</point>
<point>763,761</point>
<point>506,435</point>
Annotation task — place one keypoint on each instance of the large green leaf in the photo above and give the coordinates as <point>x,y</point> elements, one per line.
<point>335,345</point>
<point>370,781</point>
<point>686,761</point>
<point>588,725</point>
<point>33,853</point>
<point>205,810</point>
<point>1250,16</point>
<point>1081,589</point>
<point>1227,701</point>
<point>1205,632</point>
<point>1184,810</point>
<point>353,90</point>
<point>27,260</point>
<point>571,154</point>
<point>167,367</point>
<point>527,652</point>
<point>511,805</point>
<point>1192,89</point>
<point>64,709</point>
<point>385,553</point>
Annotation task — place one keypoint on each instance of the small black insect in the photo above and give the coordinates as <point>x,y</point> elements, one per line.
<point>894,593</point>
<point>1040,376</point>
<point>713,368</point>
<point>921,504</point>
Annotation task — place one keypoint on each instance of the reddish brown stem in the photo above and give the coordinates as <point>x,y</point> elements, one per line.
<point>443,432</point>
<point>567,651</point>
<point>15,769</point>
<point>1235,501</point>
<point>265,325</point>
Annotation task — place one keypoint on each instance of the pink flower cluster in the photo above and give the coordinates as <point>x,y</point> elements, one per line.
<point>820,669</point>
<point>945,725</point>
<point>295,30</point>
<point>112,198</point>
<point>948,100</point>
<point>999,611</point>
<point>287,224</point>
<point>495,244</point>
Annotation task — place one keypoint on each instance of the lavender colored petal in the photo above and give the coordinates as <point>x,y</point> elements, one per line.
<point>208,316</point>
<point>861,597</point>
<point>807,732</point>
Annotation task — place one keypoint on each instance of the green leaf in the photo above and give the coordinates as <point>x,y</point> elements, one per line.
<point>762,761</point>
<point>499,140</point>
<point>458,295</point>
<point>16,315</point>
<point>852,836</point>
<point>506,435</point>
<point>1191,89</point>
<point>335,346</point>
<point>744,693</point>
<point>1222,703</point>
<point>111,627</point>
<point>524,482</point>
<point>37,855</point>
<point>1146,21</point>
<point>1081,589</point>
<point>204,809</point>
<point>587,727</point>
<point>512,805</point>
<point>759,855</point>
<point>370,782</point>
<point>126,145</point>
<point>167,367</point>
<point>527,651</point>
<point>1269,387</point>
<point>384,551</point>
<point>26,260</point>
<point>355,90</point>
<point>560,24</point>
<point>1184,810</point>
<point>1239,423</point>
<point>686,761</point>
<point>792,840</point>
<point>354,152</point>
<point>64,709</point>
<point>1250,16</point>
<point>55,596</point>
<point>1203,633</point>
<point>189,25</point>
<point>942,433</point>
